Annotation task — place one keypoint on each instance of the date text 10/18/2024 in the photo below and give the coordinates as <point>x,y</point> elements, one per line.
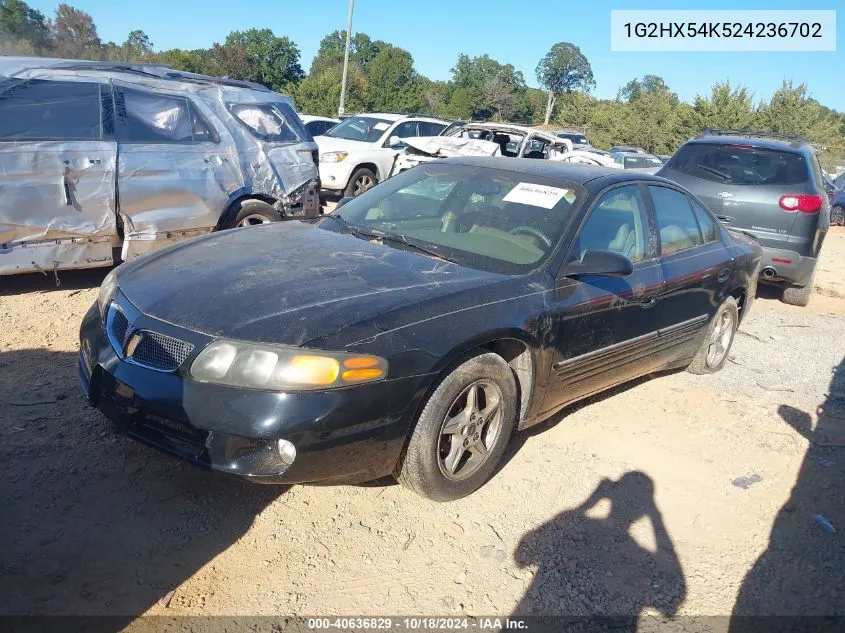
<point>418,624</point>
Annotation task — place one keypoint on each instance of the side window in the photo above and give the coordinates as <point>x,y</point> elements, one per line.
<point>428,128</point>
<point>675,219</point>
<point>706,222</point>
<point>51,110</point>
<point>144,117</point>
<point>617,223</point>
<point>202,129</point>
<point>406,129</point>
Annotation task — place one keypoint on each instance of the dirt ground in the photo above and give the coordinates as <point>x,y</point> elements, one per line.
<point>629,503</point>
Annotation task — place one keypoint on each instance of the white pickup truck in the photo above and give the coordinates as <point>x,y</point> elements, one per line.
<point>359,152</point>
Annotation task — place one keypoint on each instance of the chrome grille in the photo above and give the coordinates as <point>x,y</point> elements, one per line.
<point>119,324</point>
<point>159,351</point>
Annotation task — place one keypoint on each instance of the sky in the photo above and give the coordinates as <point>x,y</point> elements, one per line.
<point>510,31</point>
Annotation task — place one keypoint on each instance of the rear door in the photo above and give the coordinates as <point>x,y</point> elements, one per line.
<point>696,268</point>
<point>174,173</point>
<point>743,186</point>
<point>57,173</point>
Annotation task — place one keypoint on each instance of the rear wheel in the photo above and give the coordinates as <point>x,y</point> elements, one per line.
<point>837,215</point>
<point>799,296</point>
<point>462,432</point>
<point>253,212</point>
<point>719,337</point>
<point>362,180</point>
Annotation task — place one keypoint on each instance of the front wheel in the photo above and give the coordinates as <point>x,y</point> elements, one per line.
<point>362,180</point>
<point>462,432</point>
<point>253,212</point>
<point>718,338</point>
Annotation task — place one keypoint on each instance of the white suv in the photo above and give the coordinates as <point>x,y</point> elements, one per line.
<point>359,152</point>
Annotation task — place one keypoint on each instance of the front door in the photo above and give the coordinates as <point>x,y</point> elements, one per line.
<point>175,176</point>
<point>604,326</point>
<point>57,166</point>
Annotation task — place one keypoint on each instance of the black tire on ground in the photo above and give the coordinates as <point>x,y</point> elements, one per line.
<point>718,339</point>
<point>837,215</point>
<point>799,295</point>
<point>363,179</point>
<point>251,211</point>
<point>444,462</point>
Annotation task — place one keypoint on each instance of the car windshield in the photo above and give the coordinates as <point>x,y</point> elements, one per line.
<point>274,122</point>
<point>641,161</point>
<point>360,128</point>
<point>484,218</point>
<point>739,164</point>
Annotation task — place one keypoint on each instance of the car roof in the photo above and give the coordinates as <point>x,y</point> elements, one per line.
<point>755,141</point>
<point>522,129</point>
<point>579,173</point>
<point>392,116</point>
<point>307,118</point>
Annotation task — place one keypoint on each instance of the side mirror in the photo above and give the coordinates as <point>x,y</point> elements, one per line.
<point>600,262</point>
<point>343,201</point>
<point>396,142</point>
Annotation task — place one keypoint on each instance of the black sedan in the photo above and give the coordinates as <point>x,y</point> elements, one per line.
<point>416,328</point>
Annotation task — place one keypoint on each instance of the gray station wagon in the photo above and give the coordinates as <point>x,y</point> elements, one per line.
<point>96,156</point>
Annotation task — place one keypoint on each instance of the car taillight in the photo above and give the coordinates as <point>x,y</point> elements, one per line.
<point>801,202</point>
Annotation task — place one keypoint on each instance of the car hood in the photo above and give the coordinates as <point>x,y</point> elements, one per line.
<point>286,283</point>
<point>331,144</point>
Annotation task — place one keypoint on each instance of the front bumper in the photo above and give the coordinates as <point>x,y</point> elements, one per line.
<point>342,436</point>
<point>335,176</point>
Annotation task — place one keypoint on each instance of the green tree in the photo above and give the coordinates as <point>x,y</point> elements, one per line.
<point>466,94</point>
<point>22,28</point>
<point>270,60</point>
<point>726,108</point>
<point>319,93</point>
<point>563,69</point>
<point>195,61</point>
<point>362,50</point>
<point>74,34</point>
<point>648,85</point>
<point>393,84</point>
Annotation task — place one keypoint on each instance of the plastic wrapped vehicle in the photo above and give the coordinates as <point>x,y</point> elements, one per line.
<point>96,156</point>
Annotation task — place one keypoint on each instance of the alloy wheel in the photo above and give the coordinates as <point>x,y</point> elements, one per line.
<point>720,339</point>
<point>363,183</point>
<point>254,219</point>
<point>470,430</point>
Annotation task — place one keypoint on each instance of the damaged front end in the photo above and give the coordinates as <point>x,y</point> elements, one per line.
<point>424,149</point>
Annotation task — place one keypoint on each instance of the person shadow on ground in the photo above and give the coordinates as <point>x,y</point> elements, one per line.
<point>802,571</point>
<point>592,566</point>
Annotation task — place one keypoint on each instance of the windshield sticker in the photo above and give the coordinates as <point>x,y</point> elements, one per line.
<point>381,126</point>
<point>536,195</point>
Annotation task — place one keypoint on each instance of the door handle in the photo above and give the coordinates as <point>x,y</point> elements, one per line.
<point>94,161</point>
<point>66,183</point>
<point>724,219</point>
<point>723,275</point>
<point>648,302</point>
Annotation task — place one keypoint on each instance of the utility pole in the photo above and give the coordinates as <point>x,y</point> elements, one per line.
<point>346,57</point>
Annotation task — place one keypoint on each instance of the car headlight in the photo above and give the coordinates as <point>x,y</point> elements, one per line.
<point>333,157</point>
<point>279,367</point>
<point>107,289</point>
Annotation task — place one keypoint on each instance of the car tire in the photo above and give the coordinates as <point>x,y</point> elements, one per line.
<point>253,212</point>
<point>444,464</point>
<point>837,215</point>
<point>363,179</point>
<point>718,339</point>
<point>799,295</point>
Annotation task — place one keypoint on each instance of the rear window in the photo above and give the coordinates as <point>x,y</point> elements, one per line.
<point>274,122</point>
<point>637,162</point>
<point>740,164</point>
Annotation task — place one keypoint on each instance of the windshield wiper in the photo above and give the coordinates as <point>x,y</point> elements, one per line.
<point>422,248</point>
<point>346,224</point>
<point>716,172</point>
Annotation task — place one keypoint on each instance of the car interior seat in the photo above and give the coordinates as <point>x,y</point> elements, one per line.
<point>502,141</point>
<point>625,241</point>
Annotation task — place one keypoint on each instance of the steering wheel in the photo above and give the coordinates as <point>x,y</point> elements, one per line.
<point>530,230</point>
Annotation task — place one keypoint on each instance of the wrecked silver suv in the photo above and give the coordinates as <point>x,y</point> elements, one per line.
<point>97,156</point>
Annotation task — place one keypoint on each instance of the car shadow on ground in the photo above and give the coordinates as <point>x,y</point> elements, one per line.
<point>11,285</point>
<point>93,523</point>
<point>800,572</point>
